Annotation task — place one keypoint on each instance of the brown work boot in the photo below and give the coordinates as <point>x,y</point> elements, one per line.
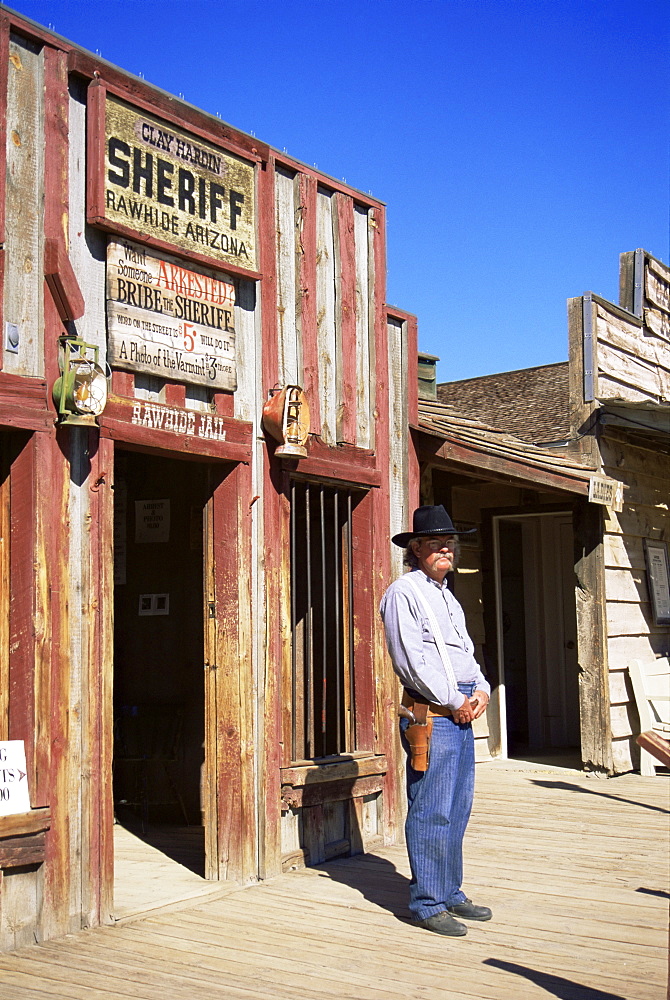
<point>442,923</point>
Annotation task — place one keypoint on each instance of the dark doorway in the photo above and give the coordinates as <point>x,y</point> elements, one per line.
<point>513,623</point>
<point>538,632</point>
<point>159,727</point>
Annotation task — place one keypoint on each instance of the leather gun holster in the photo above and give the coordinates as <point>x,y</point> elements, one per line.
<point>418,732</point>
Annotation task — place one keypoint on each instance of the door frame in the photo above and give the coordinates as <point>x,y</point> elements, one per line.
<point>228,786</point>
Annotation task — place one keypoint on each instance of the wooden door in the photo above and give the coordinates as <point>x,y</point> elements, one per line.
<point>551,655</point>
<point>228,776</point>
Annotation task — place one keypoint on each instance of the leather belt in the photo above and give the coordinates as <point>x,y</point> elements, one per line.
<point>423,709</point>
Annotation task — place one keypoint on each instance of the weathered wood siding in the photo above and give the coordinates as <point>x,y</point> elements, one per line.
<point>326,303</point>
<point>327,327</point>
<point>634,366</point>
<point>288,249</point>
<point>399,508</point>
<point>87,246</point>
<point>24,206</point>
<point>330,328</point>
<point>365,365</point>
<point>644,470</point>
<point>631,377</point>
<point>633,352</point>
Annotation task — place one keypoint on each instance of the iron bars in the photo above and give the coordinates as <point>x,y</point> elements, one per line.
<point>322,628</point>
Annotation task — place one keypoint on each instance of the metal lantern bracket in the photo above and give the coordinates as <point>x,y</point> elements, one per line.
<point>286,418</point>
<point>80,394</point>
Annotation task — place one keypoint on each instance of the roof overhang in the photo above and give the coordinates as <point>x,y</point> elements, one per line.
<point>646,417</point>
<point>495,456</point>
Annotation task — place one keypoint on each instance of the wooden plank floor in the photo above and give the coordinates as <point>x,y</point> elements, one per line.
<point>575,868</point>
<point>147,878</point>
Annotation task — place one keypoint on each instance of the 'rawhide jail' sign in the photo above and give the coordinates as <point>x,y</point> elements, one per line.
<point>167,320</point>
<point>165,183</point>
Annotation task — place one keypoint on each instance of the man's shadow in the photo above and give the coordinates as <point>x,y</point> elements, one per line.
<point>377,879</point>
<point>558,986</point>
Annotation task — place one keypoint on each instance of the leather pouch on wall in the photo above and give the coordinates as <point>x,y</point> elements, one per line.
<point>418,737</point>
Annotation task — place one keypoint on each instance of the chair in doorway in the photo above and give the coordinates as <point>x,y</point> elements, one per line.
<point>651,687</point>
<point>147,744</point>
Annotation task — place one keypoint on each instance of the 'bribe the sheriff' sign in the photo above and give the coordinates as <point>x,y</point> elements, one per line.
<point>169,184</point>
<point>167,320</point>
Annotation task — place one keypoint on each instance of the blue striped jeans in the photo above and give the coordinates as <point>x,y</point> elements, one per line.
<point>439,804</point>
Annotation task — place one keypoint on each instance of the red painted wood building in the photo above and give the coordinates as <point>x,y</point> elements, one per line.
<point>188,620</point>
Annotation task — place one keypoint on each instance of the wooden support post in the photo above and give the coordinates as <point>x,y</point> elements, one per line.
<point>594,703</point>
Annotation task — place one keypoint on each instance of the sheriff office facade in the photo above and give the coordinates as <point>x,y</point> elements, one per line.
<point>188,630</point>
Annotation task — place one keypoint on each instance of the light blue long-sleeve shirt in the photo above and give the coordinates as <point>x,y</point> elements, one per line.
<point>411,643</point>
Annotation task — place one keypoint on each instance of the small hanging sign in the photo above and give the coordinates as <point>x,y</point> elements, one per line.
<point>607,492</point>
<point>14,794</point>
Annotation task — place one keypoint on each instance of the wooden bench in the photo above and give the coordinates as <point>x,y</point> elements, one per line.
<point>651,687</point>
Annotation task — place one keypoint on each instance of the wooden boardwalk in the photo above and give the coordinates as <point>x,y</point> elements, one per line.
<point>575,868</point>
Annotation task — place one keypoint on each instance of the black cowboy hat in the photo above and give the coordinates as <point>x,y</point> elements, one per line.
<point>429,521</point>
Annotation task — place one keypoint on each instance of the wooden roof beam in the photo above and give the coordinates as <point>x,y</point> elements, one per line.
<point>486,466</point>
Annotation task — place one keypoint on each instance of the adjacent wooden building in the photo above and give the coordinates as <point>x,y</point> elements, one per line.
<point>565,471</point>
<point>188,623</point>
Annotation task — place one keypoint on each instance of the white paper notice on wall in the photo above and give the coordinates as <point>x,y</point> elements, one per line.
<point>14,794</point>
<point>152,520</point>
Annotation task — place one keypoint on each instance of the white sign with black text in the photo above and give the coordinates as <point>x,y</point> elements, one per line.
<point>152,520</point>
<point>14,794</point>
<point>607,492</point>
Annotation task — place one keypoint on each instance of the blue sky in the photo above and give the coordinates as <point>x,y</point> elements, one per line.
<point>520,145</point>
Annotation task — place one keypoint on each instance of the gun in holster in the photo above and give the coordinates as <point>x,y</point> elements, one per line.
<point>419,731</point>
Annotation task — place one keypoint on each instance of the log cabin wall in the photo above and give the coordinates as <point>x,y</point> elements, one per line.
<point>310,311</point>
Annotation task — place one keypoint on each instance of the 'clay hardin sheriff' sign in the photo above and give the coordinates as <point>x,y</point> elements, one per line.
<point>165,183</point>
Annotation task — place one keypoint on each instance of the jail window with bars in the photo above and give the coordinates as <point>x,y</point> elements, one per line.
<point>322,629</point>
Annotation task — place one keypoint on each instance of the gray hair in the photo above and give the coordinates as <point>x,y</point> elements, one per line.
<point>409,558</point>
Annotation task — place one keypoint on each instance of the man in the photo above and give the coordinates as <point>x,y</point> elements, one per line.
<point>455,693</point>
